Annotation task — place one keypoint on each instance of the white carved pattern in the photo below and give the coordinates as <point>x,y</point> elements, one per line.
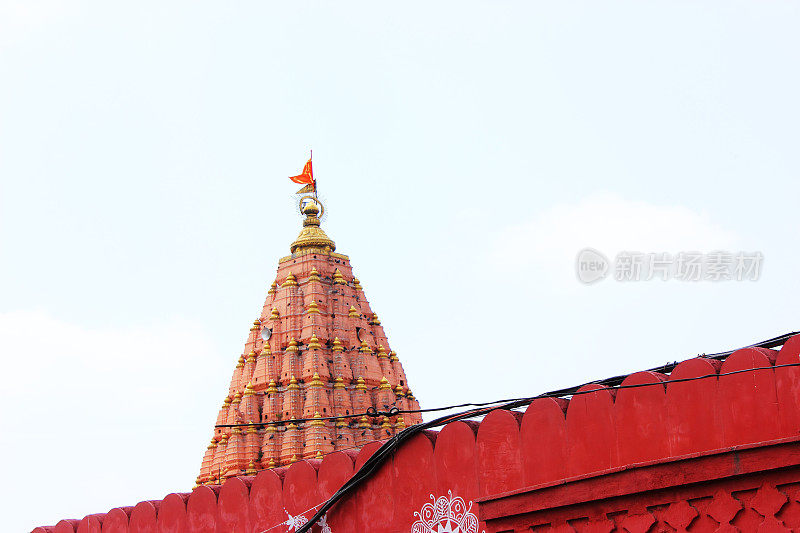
<point>323,523</point>
<point>295,522</point>
<point>447,514</point>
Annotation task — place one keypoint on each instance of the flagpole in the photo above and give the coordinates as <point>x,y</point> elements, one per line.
<point>311,158</point>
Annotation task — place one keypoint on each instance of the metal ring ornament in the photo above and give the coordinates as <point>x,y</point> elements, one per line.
<point>313,199</point>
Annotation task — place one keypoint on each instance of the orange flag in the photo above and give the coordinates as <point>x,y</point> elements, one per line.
<point>306,177</point>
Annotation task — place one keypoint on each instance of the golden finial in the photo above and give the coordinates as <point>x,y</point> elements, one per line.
<point>410,395</point>
<point>385,384</point>
<point>364,348</point>
<point>252,427</point>
<point>274,314</point>
<point>338,383</point>
<point>342,423</point>
<point>256,325</point>
<point>224,440</point>
<point>293,459</point>
<point>363,422</point>
<point>272,387</point>
<point>271,463</point>
<point>386,424</point>
<point>273,288</point>
<point>375,321</point>
<point>314,276</point>
<point>240,362</point>
<point>292,345</point>
<point>293,384</point>
<point>356,284</point>
<point>291,281</point>
<point>291,425</point>
<point>311,236</point>
<point>337,345</point>
<point>265,349</point>
<point>319,454</point>
<point>270,429</point>
<point>401,423</point>
<point>312,208</point>
<point>251,469</point>
<point>361,384</point>
<point>393,356</point>
<point>251,356</point>
<point>382,352</point>
<point>399,391</point>
<point>313,307</point>
<point>353,313</point>
<point>338,279</point>
<point>315,381</point>
<point>313,343</point>
<point>237,397</point>
<point>212,445</point>
<point>317,420</point>
<point>227,402</point>
<point>248,390</point>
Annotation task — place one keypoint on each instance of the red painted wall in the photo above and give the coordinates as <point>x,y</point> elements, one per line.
<point>705,455</point>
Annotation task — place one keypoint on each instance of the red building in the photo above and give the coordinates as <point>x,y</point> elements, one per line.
<point>318,401</point>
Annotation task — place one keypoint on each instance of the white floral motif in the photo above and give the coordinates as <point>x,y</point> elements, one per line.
<point>445,515</point>
<point>296,522</point>
<point>323,523</point>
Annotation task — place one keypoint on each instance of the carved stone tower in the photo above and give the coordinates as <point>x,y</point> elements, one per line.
<point>316,351</point>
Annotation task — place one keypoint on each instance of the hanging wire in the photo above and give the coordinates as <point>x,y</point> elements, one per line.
<point>373,413</point>
<point>613,382</point>
<point>391,445</point>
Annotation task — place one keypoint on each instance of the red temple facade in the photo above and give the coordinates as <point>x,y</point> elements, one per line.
<point>711,446</point>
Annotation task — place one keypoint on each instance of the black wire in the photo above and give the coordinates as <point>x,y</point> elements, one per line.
<point>369,413</point>
<point>388,448</point>
<point>614,381</point>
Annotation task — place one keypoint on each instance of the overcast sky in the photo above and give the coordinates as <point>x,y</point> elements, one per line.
<point>465,152</point>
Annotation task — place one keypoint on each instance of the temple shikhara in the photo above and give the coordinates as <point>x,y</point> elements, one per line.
<point>316,355</point>
<point>319,431</point>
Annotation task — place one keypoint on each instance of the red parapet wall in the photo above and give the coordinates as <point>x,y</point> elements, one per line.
<point>711,454</point>
<point>746,488</point>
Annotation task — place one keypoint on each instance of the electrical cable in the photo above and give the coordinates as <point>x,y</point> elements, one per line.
<point>614,381</point>
<point>389,447</point>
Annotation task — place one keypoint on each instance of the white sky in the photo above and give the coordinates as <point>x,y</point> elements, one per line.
<point>466,152</point>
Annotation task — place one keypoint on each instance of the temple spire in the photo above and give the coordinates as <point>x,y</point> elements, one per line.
<point>317,350</point>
